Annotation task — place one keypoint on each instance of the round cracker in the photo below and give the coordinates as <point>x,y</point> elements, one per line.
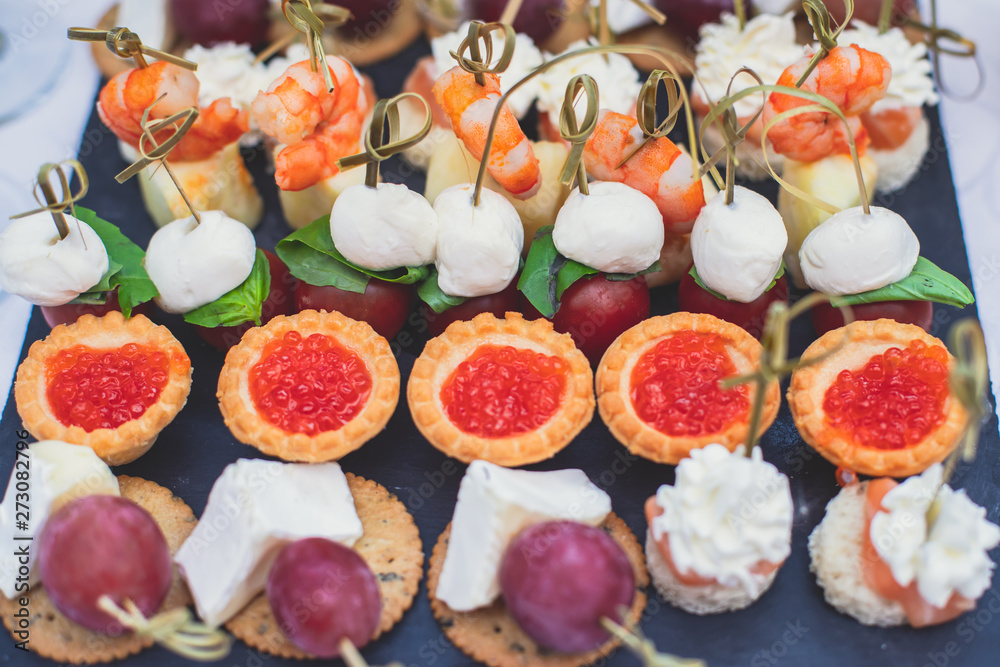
<point>52,635</point>
<point>390,545</point>
<point>490,634</point>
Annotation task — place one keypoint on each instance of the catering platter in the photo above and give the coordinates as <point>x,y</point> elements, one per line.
<point>791,624</point>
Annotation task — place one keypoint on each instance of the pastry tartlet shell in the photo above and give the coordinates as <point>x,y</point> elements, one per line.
<point>614,378</point>
<point>133,438</point>
<point>443,354</point>
<point>860,341</point>
<point>243,420</point>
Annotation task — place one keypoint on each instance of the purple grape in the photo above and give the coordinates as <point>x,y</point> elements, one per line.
<point>687,16</point>
<point>560,578</point>
<point>322,592</point>
<point>370,16</point>
<point>539,19</point>
<point>103,545</point>
<point>211,22</point>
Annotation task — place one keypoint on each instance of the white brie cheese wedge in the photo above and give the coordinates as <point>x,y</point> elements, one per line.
<point>494,505</point>
<point>56,472</point>
<point>255,508</point>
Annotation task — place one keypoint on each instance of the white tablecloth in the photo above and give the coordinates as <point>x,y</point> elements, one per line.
<point>52,130</point>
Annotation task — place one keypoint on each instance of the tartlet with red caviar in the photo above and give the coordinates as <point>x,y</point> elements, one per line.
<point>314,386</point>
<point>508,391</point>
<point>658,386</point>
<point>880,403</point>
<point>109,383</point>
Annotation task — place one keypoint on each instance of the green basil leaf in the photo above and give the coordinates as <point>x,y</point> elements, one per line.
<point>311,257</point>
<point>614,277</point>
<point>693,272</point>
<point>430,293</point>
<point>926,282</point>
<point>570,272</point>
<point>538,281</point>
<point>781,272</point>
<point>131,279</point>
<point>98,294</point>
<point>697,279</point>
<point>241,304</point>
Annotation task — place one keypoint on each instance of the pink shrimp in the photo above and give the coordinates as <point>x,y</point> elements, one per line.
<point>659,169</point>
<point>852,78</point>
<point>470,108</point>
<point>125,97</point>
<point>319,127</point>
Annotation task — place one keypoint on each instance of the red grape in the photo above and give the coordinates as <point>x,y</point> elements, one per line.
<point>687,16</point>
<point>921,313</point>
<point>370,16</point>
<point>595,311</point>
<point>559,578</point>
<point>539,19</point>
<point>383,305</point>
<point>208,23</point>
<point>750,316</point>
<point>71,312</point>
<point>103,545</point>
<point>499,304</point>
<point>279,301</point>
<point>322,592</point>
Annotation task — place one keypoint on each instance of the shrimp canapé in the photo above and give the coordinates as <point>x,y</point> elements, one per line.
<point>317,126</point>
<point>470,108</point>
<point>659,170</point>
<point>852,78</point>
<point>125,97</point>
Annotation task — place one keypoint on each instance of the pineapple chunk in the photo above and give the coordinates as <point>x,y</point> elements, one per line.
<point>832,180</point>
<point>303,206</point>
<point>220,183</point>
<point>451,164</point>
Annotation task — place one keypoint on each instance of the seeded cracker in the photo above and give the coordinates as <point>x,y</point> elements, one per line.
<point>491,636</point>
<point>54,636</point>
<point>390,545</point>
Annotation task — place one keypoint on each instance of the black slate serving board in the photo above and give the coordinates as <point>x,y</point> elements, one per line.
<point>791,625</point>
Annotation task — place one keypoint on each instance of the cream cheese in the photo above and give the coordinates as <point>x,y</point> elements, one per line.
<point>725,514</point>
<point>946,555</point>
<point>617,81</point>
<point>526,57</point>
<point>766,44</point>
<point>912,84</point>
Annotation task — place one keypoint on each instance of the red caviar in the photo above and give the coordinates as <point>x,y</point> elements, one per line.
<point>894,401</point>
<point>675,386</point>
<point>502,391</point>
<point>309,385</point>
<point>105,388</point>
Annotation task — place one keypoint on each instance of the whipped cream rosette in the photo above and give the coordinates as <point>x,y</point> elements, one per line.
<point>719,535</point>
<point>914,552</point>
<point>896,124</point>
<point>767,45</point>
